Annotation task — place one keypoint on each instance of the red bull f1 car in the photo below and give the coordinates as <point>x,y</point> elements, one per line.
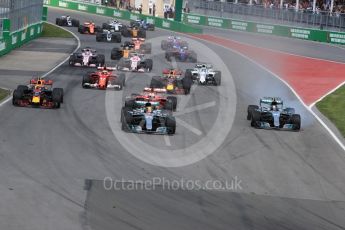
<point>39,93</point>
<point>172,81</point>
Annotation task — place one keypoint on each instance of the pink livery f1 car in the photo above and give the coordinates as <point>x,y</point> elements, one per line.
<point>87,57</point>
<point>135,63</point>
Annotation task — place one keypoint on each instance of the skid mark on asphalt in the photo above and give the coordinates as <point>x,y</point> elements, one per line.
<point>311,78</point>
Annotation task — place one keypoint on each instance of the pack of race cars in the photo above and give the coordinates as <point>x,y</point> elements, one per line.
<point>150,111</point>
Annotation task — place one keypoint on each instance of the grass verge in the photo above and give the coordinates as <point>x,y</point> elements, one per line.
<point>50,30</point>
<point>3,94</point>
<point>333,107</point>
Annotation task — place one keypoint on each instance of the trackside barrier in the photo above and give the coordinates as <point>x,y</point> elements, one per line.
<point>15,39</point>
<point>262,28</point>
<point>123,14</point>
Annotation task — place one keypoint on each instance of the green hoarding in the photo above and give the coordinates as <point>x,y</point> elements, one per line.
<point>270,29</point>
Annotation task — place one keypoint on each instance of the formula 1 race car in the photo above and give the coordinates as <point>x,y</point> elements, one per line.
<point>137,44</point>
<point>38,94</point>
<point>205,75</point>
<point>87,57</point>
<point>149,118</point>
<point>155,95</point>
<point>89,28</point>
<point>113,25</point>
<point>173,42</point>
<point>172,81</point>
<point>181,54</point>
<point>135,63</point>
<point>67,21</point>
<point>271,114</point>
<point>142,24</point>
<point>122,52</point>
<point>134,32</point>
<point>108,36</point>
<point>104,78</point>
<point>141,46</point>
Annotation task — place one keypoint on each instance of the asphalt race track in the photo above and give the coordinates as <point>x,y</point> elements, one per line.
<point>290,180</point>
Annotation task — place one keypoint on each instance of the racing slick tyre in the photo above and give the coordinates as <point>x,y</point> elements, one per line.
<point>115,54</point>
<point>169,106</point>
<point>146,48</point>
<point>100,60</point>
<point>250,110</point>
<point>148,64</point>
<point>296,121</point>
<point>193,57</point>
<point>156,83</point>
<point>126,33</point>
<point>98,37</point>
<point>173,101</point>
<point>122,78</point>
<point>126,119</point>
<point>75,23</point>
<point>218,78</point>
<point>86,80</point>
<point>290,110</point>
<point>22,88</point>
<point>105,26</point>
<point>189,74</point>
<point>57,97</point>
<point>164,45</point>
<point>130,103</point>
<point>71,60</point>
<point>121,81</point>
<point>171,125</point>
<point>17,95</point>
<point>57,21</point>
<point>116,38</point>
<point>142,34</point>
<point>98,29</point>
<point>168,56</point>
<point>59,91</point>
<point>81,29</point>
<point>187,84</point>
<point>255,119</point>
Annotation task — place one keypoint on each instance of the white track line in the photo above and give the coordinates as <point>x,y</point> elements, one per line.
<point>188,126</point>
<point>331,91</point>
<point>196,108</point>
<point>299,98</point>
<point>57,66</point>
<point>167,140</point>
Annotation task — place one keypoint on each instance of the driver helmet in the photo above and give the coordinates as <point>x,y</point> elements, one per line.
<point>148,108</point>
<point>274,106</point>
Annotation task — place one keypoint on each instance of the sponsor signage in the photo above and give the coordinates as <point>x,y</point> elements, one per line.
<point>300,33</point>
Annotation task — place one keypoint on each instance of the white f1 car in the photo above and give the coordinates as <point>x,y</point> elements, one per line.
<point>113,25</point>
<point>204,74</point>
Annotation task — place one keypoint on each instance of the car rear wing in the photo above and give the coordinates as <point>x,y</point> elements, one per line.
<point>41,82</point>
<point>271,100</point>
<point>155,90</point>
<point>138,39</point>
<point>106,68</point>
<point>203,65</point>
